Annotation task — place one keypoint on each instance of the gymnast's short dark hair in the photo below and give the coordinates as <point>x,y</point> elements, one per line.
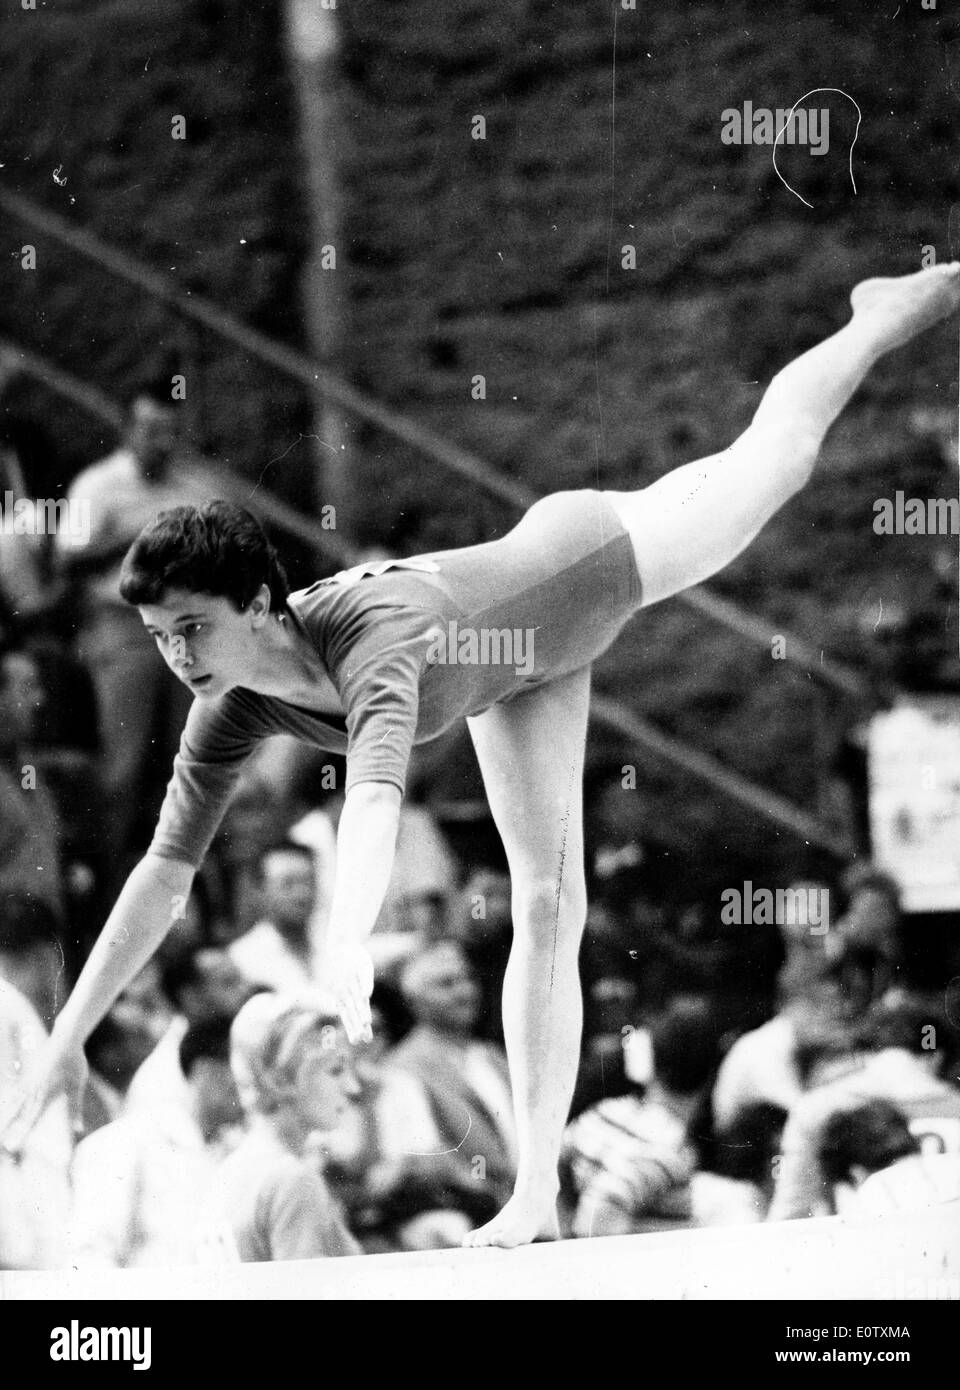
<point>217,548</point>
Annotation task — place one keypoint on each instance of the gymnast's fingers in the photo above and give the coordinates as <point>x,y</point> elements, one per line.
<point>350,1018</point>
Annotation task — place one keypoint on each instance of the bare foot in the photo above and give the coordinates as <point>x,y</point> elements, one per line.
<point>526,1218</point>
<point>902,306</point>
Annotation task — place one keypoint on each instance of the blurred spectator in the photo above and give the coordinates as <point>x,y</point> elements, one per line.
<point>805,943</point>
<point>142,706</point>
<point>866,940</point>
<point>34,1190</point>
<point>761,1066</point>
<point>31,957</point>
<point>688,952</point>
<point>611,1007</point>
<point>396,1199</point>
<point>424,874</point>
<point>313,779</point>
<point>463,1085</point>
<point>295,1077</point>
<point>121,1043</point>
<point>735,964</point>
<point>56,767</point>
<point>352,1152</point>
<point>23,593</point>
<point>417,904</point>
<point>416,901</point>
<point>229,874</point>
<point>66,718</point>
<point>872,918</point>
<point>106,1051</point>
<point>199,985</point>
<point>616,823</point>
<point>483,923</point>
<point>142,1183</point>
<point>29,829</point>
<point>872,1150</point>
<point>628,1162</point>
<point>192,927</point>
<point>65,748</point>
<point>902,1068</point>
<point>825,993</point>
<point>738,1187</point>
<point>248,1034</point>
<point>282,951</point>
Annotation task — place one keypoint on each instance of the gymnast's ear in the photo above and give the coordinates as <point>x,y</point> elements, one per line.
<point>259,606</point>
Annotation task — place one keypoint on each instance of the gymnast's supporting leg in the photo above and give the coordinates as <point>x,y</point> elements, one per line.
<point>531,755</point>
<point>694,521</point>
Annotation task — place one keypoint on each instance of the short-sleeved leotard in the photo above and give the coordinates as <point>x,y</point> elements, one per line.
<point>414,645</point>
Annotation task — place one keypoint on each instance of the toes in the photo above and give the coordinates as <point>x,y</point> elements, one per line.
<point>481,1236</point>
<point>499,1237</point>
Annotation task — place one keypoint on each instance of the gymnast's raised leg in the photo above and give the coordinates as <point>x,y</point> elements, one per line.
<point>684,527</point>
<point>692,522</point>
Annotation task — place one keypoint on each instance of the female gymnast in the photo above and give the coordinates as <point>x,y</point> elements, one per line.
<point>374,661</point>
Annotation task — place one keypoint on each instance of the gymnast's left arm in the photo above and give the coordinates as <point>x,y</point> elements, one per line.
<point>378,683</point>
<point>366,841</point>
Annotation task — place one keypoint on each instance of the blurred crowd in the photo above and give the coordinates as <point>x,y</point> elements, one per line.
<point>729,1074</point>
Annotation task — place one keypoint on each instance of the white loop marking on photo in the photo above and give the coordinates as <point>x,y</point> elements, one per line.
<point>793,108</point>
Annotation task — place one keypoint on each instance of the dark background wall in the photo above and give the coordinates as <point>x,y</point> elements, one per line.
<point>90,91</point>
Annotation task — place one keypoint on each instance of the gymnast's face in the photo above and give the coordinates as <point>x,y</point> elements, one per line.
<point>206,642</point>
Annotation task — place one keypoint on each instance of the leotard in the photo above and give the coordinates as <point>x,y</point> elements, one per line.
<point>414,645</point>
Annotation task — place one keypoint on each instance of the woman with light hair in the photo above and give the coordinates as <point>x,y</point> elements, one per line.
<point>296,1081</point>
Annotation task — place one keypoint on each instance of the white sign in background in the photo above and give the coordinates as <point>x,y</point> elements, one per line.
<point>914,791</point>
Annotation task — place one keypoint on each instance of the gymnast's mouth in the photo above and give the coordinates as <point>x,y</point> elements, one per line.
<point>199,682</point>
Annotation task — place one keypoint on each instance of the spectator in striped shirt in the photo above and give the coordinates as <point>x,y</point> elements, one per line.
<point>628,1161</point>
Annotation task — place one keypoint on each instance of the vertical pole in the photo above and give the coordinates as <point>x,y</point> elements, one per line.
<point>313,45</point>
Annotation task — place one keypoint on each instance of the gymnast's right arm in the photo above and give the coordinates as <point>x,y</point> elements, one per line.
<point>150,900</point>
<point>213,750</point>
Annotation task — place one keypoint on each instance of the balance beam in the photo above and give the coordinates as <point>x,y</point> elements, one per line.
<point>909,1256</point>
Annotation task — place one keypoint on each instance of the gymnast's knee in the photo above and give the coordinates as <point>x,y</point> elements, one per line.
<point>786,447</point>
<point>540,907</point>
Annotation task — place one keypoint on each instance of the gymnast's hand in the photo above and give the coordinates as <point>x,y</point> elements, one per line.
<point>57,1070</point>
<point>350,983</point>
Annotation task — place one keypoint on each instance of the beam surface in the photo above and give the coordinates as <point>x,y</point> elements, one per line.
<point>909,1256</point>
